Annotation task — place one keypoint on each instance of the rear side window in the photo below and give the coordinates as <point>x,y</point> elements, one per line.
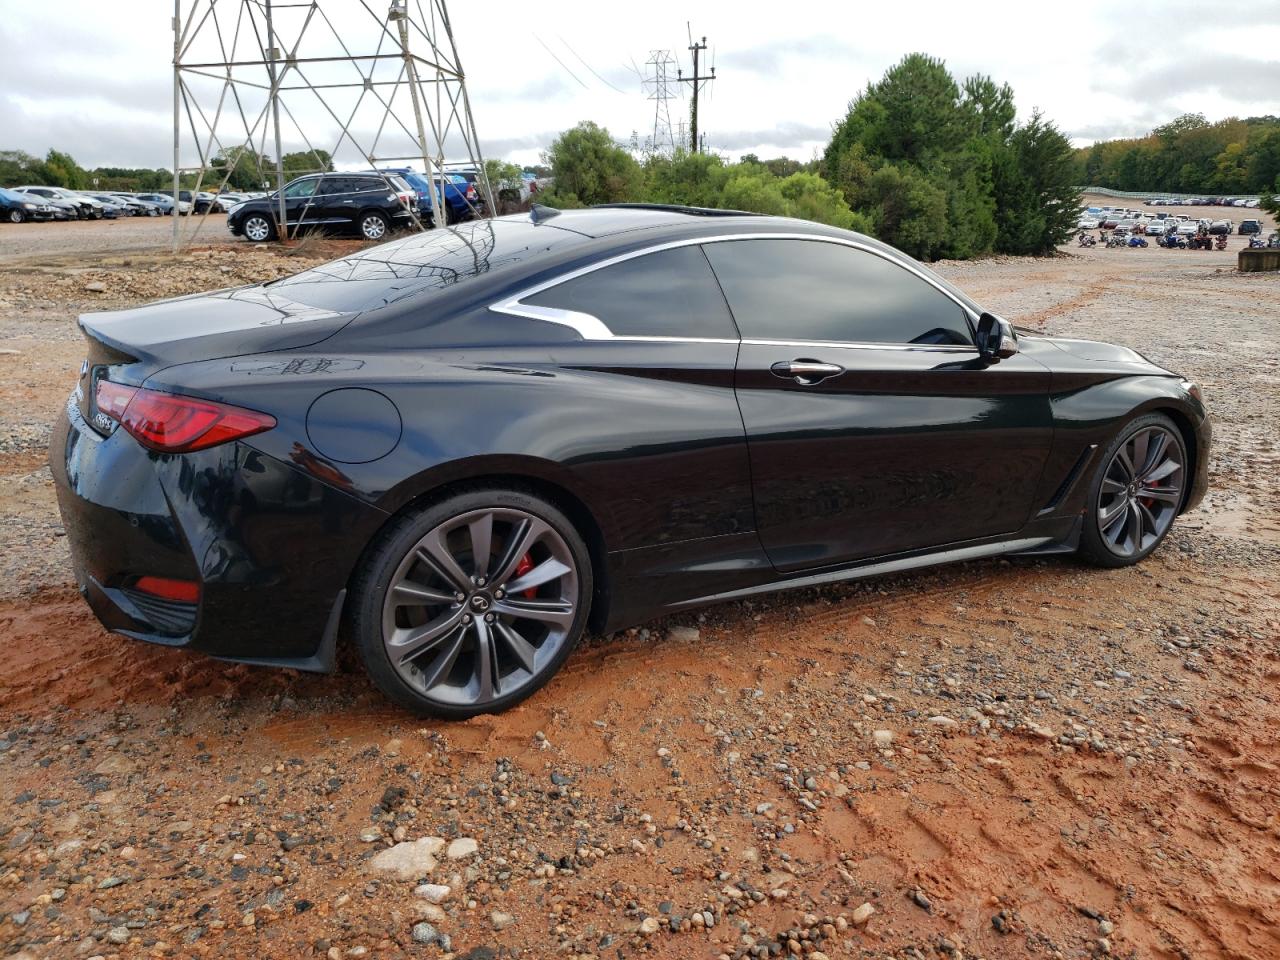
<point>367,184</point>
<point>671,293</point>
<point>812,290</point>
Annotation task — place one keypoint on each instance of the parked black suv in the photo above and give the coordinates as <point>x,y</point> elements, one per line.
<point>367,203</point>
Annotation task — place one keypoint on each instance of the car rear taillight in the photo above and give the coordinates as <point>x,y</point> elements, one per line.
<point>184,591</point>
<point>471,191</point>
<point>170,423</point>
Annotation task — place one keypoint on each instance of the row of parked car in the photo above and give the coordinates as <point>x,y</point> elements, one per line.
<point>1203,202</point>
<point>1132,221</point>
<point>41,202</point>
<point>371,202</point>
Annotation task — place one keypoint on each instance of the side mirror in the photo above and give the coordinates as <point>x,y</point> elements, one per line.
<point>996,339</point>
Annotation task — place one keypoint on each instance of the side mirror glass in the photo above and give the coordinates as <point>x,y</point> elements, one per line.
<point>996,339</point>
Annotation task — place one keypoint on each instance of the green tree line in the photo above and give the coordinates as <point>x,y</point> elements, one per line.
<point>1188,155</point>
<point>935,167</point>
<point>243,169</point>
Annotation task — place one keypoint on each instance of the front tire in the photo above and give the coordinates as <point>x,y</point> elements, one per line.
<point>258,228</point>
<point>1137,490</point>
<point>16,215</point>
<point>471,605</point>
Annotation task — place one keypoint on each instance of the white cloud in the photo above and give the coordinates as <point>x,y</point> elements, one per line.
<point>100,87</point>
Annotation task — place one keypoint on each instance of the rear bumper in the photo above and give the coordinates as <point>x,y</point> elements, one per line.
<point>270,546</point>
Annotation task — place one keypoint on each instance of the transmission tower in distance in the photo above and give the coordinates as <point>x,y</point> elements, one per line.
<point>254,79</point>
<point>658,85</point>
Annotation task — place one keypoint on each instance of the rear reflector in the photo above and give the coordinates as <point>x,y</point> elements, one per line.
<point>186,591</point>
<point>170,423</point>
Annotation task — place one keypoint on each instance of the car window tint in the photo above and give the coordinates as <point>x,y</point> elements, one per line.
<point>811,290</point>
<point>366,184</point>
<point>300,188</point>
<point>671,293</point>
<point>332,185</point>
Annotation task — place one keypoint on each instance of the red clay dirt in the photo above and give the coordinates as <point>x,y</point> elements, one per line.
<point>1079,762</point>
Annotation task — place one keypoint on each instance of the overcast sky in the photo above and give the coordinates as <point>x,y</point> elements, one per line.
<point>95,79</point>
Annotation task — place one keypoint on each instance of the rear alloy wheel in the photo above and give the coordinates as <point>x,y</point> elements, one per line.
<point>1136,493</point>
<point>258,229</point>
<point>373,226</point>
<point>472,605</point>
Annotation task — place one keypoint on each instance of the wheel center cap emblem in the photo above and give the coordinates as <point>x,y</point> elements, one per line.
<point>480,603</point>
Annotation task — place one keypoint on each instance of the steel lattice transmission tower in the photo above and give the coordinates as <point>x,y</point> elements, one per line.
<point>368,85</point>
<point>659,86</point>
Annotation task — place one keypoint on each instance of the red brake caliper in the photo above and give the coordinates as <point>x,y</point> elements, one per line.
<point>523,567</point>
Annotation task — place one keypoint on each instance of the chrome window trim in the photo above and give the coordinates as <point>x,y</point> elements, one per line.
<point>591,327</point>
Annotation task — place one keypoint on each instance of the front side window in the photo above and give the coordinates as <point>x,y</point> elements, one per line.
<point>671,293</point>
<point>813,290</point>
<point>301,188</point>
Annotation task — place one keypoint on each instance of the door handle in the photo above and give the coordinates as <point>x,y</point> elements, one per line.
<point>806,372</point>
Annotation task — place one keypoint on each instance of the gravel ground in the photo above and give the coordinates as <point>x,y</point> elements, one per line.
<point>73,237</point>
<point>1016,758</point>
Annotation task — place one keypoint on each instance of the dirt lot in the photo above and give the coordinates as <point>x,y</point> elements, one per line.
<point>1022,758</point>
<point>120,235</point>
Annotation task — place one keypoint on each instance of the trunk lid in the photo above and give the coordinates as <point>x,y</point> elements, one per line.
<point>128,346</point>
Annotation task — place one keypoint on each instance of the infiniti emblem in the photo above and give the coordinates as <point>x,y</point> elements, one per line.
<point>480,603</point>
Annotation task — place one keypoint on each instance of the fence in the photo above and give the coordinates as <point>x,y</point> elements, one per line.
<point>1130,195</point>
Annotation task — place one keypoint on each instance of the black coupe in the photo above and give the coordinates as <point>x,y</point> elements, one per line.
<point>462,448</point>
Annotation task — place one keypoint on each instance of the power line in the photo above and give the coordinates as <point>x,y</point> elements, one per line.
<point>587,65</point>
<point>561,62</point>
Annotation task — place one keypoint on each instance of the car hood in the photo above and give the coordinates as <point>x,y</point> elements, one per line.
<point>1057,351</point>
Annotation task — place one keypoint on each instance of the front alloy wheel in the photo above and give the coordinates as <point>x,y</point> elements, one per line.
<point>478,602</point>
<point>258,229</point>
<point>1136,494</point>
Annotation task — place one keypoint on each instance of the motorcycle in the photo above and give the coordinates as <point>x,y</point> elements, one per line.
<point>1220,242</point>
<point>1087,239</point>
<point>1115,241</point>
<point>1137,241</point>
<point>1256,242</point>
<point>1172,241</point>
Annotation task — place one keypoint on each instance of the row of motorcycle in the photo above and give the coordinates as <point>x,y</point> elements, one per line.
<point>1170,241</point>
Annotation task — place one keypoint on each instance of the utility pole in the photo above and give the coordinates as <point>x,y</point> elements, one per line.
<point>697,81</point>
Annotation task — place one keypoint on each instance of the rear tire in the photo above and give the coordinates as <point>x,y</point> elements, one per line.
<point>373,225</point>
<point>16,215</point>
<point>1136,492</point>
<point>472,604</point>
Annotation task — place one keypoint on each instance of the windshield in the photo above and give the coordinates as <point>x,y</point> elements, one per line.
<point>419,263</point>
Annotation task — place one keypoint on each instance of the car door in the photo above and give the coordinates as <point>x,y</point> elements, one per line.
<point>654,362</point>
<point>334,202</point>
<point>873,426</point>
<point>300,203</point>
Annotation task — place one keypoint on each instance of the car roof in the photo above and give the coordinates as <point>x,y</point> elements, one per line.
<point>609,219</point>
